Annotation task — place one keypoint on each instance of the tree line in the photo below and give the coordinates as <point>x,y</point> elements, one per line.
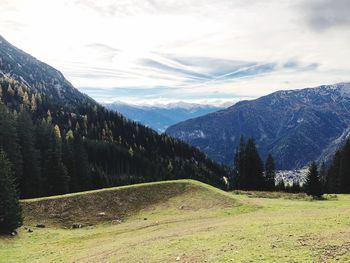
<point>250,173</point>
<point>49,148</point>
<point>332,177</point>
<point>57,148</point>
<point>54,147</point>
<point>47,161</point>
<point>335,177</point>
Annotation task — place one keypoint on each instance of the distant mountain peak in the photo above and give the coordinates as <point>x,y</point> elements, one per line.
<point>161,116</point>
<point>175,104</point>
<point>296,126</point>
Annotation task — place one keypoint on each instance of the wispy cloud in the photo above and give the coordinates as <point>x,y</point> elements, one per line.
<point>188,50</point>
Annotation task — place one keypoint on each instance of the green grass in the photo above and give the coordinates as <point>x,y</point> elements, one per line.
<point>186,219</point>
<point>117,203</point>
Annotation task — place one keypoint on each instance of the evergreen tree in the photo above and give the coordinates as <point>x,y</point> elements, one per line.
<point>332,179</point>
<point>43,137</point>
<point>288,188</point>
<point>313,185</point>
<point>69,162</point>
<point>31,182</point>
<point>253,167</point>
<point>270,173</point>
<point>82,177</point>
<point>295,188</point>
<point>239,166</point>
<point>323,176</point>
<point>10,210</point>
<point>99,178</point>
<point>57,180</point>
<point>281,186</point>
<point>344,169</point>
<point>248,167</point>
<point>9,141</point>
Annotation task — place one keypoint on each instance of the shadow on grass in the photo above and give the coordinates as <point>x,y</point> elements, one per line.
<point>284,195</point>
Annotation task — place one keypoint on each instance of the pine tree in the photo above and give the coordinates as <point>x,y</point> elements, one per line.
<point>99,178</point>
<point>70,163</point>
<point>9,141</point>
<point>295,187</point>
<point>323,176</point>
<point>239,166</point>
<point>281,186</point>
<point>33,104</point>
<point>10,210</point>
<point>344,169</point>
<point>31,182</point>
<point>313,185</point>
<point>253,167</point>
<point>332,179</point>
<point>82,177</point>
<point>248,167</point>
<point>270,173</point>
<point>57,180</point>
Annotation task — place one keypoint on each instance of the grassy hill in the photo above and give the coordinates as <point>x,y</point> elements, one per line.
<point>119,203</point>
<point>182,221</point>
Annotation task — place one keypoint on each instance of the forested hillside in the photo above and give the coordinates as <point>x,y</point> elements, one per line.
<point>59,140</point>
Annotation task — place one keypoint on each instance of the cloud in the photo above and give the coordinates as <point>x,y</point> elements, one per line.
<point>188,50</point>
<point>150,63</point>
<point>112,8</point>
<point>327,14</point>
<point>103,48</point>
<point>154,7</point>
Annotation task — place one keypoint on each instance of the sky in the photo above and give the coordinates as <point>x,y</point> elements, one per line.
<point>204,51</point>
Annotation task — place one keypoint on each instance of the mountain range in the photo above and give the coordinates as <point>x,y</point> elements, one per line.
<point>160,117</point>
<point>295,126</point>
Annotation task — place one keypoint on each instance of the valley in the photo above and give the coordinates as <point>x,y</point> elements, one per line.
<point>160,117</point>
<point>166,131</point>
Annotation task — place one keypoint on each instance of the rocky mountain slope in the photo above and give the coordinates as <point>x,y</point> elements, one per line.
<point>296,126</point>
<point>40,77</point>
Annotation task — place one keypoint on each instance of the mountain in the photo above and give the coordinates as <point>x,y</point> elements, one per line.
<point>59,140</point>
<point>296,126</point>
<point>160,117</point>
<point>38,76</point>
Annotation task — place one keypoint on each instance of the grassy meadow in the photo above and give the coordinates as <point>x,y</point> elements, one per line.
<point>182,221</point>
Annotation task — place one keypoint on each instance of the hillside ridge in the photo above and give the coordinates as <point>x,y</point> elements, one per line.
<point>119,203</point>
<point>295,126</point>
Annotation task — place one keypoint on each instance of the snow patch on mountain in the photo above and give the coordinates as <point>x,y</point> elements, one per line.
<point>295,126</point>
<point>196,134</point>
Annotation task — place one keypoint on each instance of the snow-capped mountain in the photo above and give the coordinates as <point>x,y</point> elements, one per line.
<point>296,126</point>
<point>161,116</point>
